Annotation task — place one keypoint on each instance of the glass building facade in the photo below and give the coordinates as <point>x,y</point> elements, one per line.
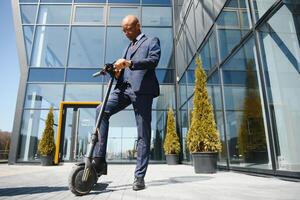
<point>249,50</point>
<point>66,42</point>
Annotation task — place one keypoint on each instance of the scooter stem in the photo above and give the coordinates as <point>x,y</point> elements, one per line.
<point>94,137</point>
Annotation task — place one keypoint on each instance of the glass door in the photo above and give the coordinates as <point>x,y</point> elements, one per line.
<point>79,123</point>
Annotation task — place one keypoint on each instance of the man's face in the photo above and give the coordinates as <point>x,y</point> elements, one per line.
<point>131,30</point>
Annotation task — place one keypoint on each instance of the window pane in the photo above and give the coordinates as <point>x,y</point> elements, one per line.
<point>180,54</point>
<point>166,98</point>
<point>281,57</point>
<point>83,75</point>
<point>50,46</point>
<point>190,110</point>
<point>46,75</point>
<point>234,77</point>
<point>232,4</point>
<point>182,90</point>
<point>244,20</point>
<point>82,119</point>
<point>228,18</point>
<point>235,72</point>
<point>89,14</point>
<point>165,76</point>
<point>115,38</point>
<point>190,30</point>
<point>158,126</point>
<point>43,95</point>
<point>205,56</point>
<point>218,6</point>
<point>124,1</point>
<point>90,1</point>
<point>214,92</point>
<point>87,47</point>
<point>208,53</point>
<point>33,125</point>
<point>56,1</point>
<point>234,97</point>
<point>199,23</point>
<point>28,34</point>
<point>28,13</point>
<point>190,76</point>
<point>260,7</point>
<point>161,2</point>
<point>208,10</point>
<point>28,1</point>
<point>232,25</point>
<point>184,129</point>
<point>156,16</point>
<point>54,14</point>
<point>76,92</point>
<point>228,40</point>
<point>166,44</point>
<point>116,14</point>
<point>246,129</point>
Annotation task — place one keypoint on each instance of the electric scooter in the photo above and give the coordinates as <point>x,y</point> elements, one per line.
<point>83,175</point>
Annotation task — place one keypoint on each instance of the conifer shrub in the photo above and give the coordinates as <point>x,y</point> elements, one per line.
<point>46,145</point>
<point>202,135</point>
<point>171,143</point>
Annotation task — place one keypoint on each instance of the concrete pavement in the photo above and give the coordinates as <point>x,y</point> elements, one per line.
<point>162,182</point>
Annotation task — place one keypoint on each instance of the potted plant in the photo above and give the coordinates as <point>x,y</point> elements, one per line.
<point>202,137</point>
<point>171,143</point>
<point>46,145</point>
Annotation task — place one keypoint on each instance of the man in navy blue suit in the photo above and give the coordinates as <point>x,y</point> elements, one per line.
<point>137,85</point>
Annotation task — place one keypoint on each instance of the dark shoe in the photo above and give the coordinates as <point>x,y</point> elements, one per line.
<point>100,166</point>
<point>138,183</point>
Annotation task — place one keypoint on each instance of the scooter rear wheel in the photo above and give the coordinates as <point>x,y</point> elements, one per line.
<point>76,185</point>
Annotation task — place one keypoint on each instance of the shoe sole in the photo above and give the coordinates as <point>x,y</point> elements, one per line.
<point>136,189</point>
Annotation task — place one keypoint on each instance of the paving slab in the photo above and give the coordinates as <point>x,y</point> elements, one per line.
<point>178,182</point>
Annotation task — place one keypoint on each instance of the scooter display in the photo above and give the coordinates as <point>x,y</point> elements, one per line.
<point>84,175</point>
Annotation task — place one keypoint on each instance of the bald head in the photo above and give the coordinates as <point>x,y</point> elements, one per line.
<point>130,19</point>
<point>131,27</point>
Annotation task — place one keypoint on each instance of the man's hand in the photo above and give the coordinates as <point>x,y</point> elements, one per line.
<point>122,63</point>
<point>117,73</point>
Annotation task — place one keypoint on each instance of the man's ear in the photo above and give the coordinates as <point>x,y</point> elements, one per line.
<point>138,26</point>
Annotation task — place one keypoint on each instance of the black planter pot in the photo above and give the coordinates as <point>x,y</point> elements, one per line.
<point>205,162</point>
<point>47,160</point>
<point>172,159</point>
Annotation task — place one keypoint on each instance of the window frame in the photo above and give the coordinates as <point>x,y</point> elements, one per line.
<point>73,22</point>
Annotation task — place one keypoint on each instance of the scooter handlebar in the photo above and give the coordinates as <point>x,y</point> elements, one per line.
<point>97,74</point>
<point>108,68</point>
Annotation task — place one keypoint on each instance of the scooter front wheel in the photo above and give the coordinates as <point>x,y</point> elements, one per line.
<point>76,185</point>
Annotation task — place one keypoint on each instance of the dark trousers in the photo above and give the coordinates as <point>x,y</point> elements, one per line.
<point>118,100</point>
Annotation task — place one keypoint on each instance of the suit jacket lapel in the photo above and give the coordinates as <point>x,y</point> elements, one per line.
<point>138,45</point>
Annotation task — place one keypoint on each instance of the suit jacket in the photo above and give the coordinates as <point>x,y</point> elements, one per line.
<point>145,57</point>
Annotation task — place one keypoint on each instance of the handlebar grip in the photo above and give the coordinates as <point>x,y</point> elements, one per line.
<point>108,68</point>
<point>97,74</point>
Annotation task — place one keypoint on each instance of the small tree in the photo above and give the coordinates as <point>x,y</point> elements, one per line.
<point>171,144</point>
<point>46,145</point>
<point>202,135</point>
